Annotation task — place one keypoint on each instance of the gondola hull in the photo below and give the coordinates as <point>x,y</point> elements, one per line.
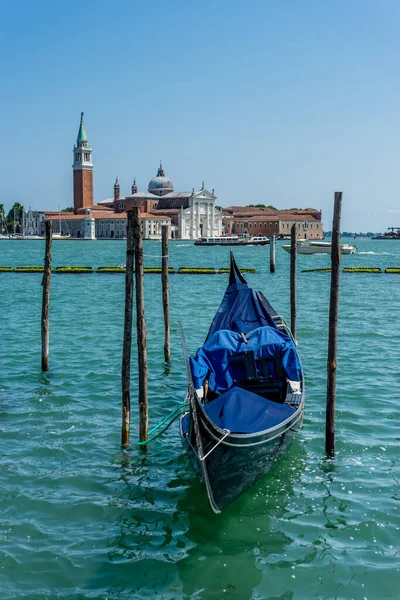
<point>245,395</point>
<point>235,463</point>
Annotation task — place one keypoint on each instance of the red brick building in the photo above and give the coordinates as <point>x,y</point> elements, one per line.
<point>248,221</point>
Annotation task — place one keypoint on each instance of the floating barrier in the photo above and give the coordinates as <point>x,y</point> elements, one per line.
<point>116,269</point>
<point>74,270</point>
<point>197,271</point>
<point>395,270</point>
<point>122,270</point>
<point>362,270</point>
<point>29,269</point>
<point>110,270</point>
<point>157,270</point>
<point>327,270</point>
<point>241,270</point>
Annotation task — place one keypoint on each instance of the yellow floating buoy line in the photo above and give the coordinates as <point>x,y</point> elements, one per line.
<point>356,270</point>
<point>120,269</point>
<point>362,270</point>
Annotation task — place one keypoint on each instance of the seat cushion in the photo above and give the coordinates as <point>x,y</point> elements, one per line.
<point>241,411</point>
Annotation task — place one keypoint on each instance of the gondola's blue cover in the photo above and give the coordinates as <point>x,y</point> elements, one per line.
<point>213,358</point>
<point>241,309</point>
<point>241,411</point>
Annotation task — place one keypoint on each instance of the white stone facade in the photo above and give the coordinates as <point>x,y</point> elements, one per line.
<point>201,218</point>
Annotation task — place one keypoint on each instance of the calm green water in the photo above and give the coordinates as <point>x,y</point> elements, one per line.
<point>79,518</point>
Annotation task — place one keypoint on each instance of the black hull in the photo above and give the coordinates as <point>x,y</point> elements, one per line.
<point>233,465</point>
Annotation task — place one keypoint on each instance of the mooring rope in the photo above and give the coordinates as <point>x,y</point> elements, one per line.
<point>173,416</point>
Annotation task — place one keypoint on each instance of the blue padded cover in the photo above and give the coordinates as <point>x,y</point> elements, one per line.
<point>241,310</point>
<point>214,355</point>
<point>241,411</point>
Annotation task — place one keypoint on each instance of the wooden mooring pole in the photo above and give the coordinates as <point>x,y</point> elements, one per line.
<point>272,248</point>
<point>165,298</point>
<point>293,255</point>
<point>46,297</point>
<point>333,328</point>
<point>126,353</point>
<point>141,327</point>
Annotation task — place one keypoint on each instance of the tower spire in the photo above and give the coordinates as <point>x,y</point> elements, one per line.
<point>83,170</point>
<point>117,189</point>
<point>160,172</point>
<point>82,135</point>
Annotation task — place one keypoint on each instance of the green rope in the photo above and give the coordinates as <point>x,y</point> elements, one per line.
<point>173,416</point>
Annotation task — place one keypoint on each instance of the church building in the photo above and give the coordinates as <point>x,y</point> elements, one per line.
<point>96,221</point>
<point>189,215</point>
<point>193,214</point>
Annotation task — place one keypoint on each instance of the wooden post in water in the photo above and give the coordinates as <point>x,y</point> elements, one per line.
<point>165,298</point>
<point>293,254</point>
<point>272,246</point>
<point>333,328</point>
<point>140,326</point>
<point>46,297</point>
<point>126,353</point>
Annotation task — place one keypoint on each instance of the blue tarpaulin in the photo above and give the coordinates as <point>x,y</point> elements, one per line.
<point>241,310</point>
<point>213,358</point>
<point>241,411</point>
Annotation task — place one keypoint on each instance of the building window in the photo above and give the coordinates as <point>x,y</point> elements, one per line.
<point>276,225</point>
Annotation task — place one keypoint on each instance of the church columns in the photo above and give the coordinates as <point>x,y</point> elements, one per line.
<point>212,233</point>
<point>198,233</point>
<point>191,220</point>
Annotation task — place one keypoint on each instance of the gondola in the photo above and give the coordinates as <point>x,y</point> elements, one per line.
<point>245,397</point>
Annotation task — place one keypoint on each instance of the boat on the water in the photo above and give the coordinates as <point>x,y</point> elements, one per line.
<point>318,247</point>
<point>245,398</point>
<point>393,233</point>
<point>232,240</point>
<point>59,236</point>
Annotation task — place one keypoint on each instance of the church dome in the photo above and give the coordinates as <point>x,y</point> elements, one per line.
<point>160,184</point>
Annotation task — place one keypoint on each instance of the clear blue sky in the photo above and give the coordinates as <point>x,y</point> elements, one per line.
<point>272,101</point>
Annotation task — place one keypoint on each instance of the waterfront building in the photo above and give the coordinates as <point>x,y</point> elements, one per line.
<point>91,221</point>
<point>193,214</point>
<point>189,215</point>
<point>248,221</point>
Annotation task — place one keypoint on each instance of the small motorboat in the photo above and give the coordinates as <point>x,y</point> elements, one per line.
<point>59,236</point>
<point>318,247</point>
<point>258,240</point>
<point>245,398</point>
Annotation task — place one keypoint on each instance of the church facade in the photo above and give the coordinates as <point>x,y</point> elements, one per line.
<point>193,214</point>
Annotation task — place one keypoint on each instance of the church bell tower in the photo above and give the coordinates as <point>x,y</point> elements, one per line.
<point>83,170</point>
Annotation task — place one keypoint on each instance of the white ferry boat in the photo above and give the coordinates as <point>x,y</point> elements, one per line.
<point>232,240</point>
<point>319,248</point>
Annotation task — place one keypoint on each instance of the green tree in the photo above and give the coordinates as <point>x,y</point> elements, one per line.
<point>68,209</point>
<point>2,218</point>
<point>262,206</point>
<point>14,218</point>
